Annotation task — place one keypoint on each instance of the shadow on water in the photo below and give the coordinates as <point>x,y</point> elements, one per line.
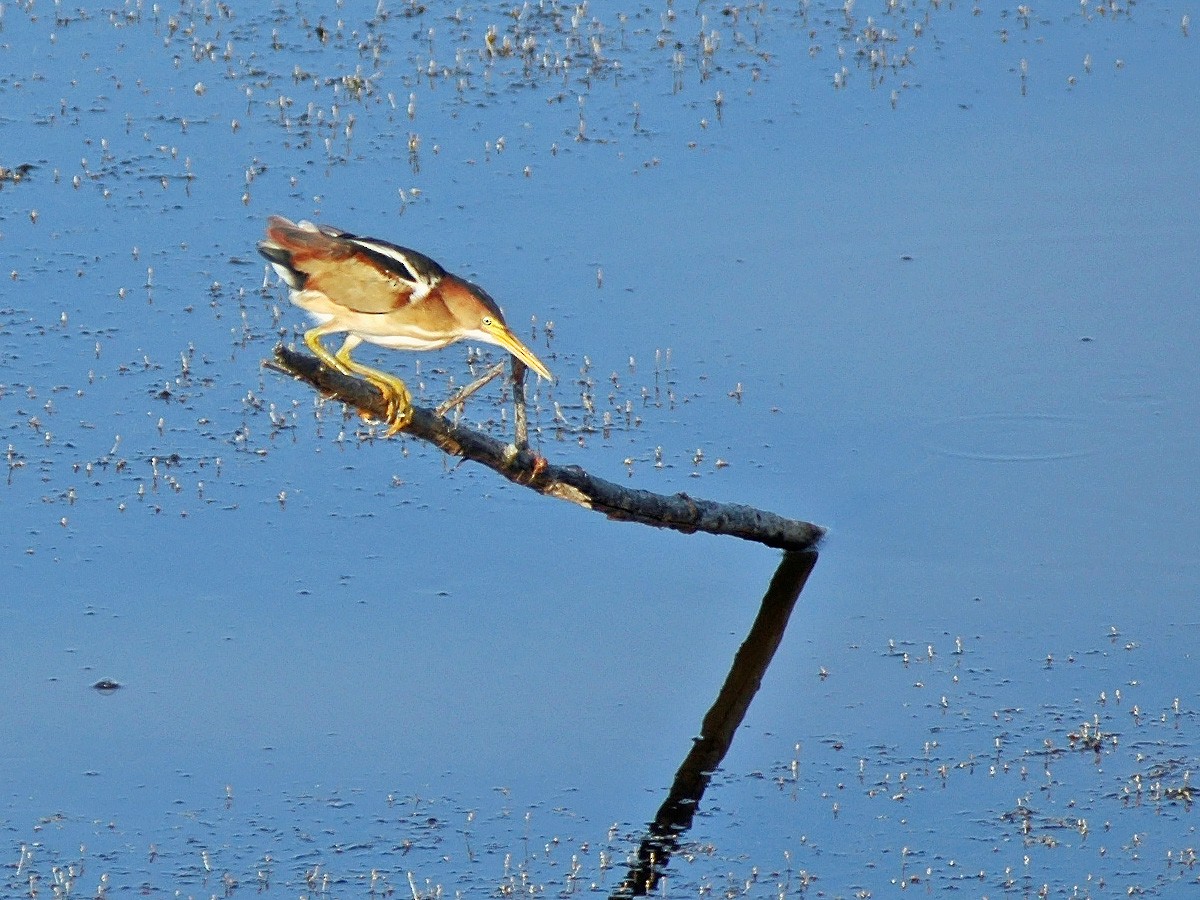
<point>675,815</point>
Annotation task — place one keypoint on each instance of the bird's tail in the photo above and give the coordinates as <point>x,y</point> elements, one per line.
<point>286,240</point>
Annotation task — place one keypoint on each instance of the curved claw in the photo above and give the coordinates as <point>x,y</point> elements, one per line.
<point>395,392</point>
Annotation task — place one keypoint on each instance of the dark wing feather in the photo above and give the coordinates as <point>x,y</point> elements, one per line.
<point>407,263</point>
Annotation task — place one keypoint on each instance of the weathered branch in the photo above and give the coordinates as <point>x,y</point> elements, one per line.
<point>522,466</point>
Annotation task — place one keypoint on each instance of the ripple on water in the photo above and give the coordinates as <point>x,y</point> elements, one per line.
<point>1017,437</point>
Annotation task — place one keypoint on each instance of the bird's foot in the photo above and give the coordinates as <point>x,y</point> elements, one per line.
<point>399,403</point>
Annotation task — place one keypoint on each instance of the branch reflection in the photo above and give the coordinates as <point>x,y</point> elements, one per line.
<point>675,816</point>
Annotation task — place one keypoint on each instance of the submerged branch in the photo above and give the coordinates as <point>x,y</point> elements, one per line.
<point>523,466</point>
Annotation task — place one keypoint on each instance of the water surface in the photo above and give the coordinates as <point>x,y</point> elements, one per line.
<point>923,274</point>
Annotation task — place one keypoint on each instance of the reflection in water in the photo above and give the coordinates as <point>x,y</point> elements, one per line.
<point>722,720</point>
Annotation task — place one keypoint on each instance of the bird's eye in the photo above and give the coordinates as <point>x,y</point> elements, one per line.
<point>487,321</point>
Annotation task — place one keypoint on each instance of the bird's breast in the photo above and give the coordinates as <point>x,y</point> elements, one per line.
<point>410,341</point>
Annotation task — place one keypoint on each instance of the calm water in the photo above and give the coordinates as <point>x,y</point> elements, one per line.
<point>924,274</point>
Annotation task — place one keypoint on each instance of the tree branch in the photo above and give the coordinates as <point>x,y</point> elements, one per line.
<point>522,466</point>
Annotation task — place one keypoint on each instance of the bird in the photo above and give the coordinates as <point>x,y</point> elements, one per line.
<point>385,294</point>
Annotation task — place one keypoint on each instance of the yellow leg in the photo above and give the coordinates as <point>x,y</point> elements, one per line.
<point>399,404</point>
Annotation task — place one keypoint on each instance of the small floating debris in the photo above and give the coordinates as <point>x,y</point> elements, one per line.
<point>106,685</point>
<point>18,173</point>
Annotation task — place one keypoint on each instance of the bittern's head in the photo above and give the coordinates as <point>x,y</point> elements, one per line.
<point>480,319</point>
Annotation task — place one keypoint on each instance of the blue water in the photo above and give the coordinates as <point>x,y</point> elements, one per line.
<point>957,328</point>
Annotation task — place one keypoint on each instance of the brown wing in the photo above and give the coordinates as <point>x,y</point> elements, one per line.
<point>361,274</point>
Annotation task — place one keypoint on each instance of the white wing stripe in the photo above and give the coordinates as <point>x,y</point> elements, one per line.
<point>390,253</point>
<point>421,281</point>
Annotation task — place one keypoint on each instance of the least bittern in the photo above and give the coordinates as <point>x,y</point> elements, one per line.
<point>385,294</point>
